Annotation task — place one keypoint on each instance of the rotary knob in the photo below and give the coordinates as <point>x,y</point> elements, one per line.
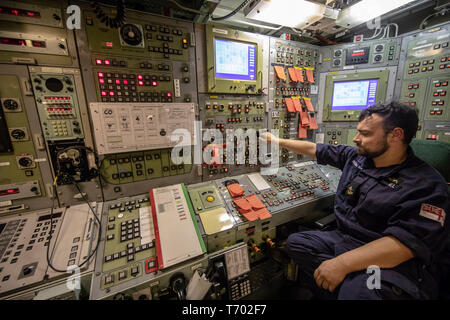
<point>10,104</point>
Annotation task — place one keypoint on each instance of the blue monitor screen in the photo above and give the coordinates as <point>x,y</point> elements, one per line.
<point>235,60</point>
<point>354,95</point>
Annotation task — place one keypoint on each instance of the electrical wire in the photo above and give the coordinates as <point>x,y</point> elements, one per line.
<point>376,33</point>
<point>232,13</point>
<point>70,148</point>
<point>117,21</point>
<point>185,8</point>
<point>51,229</point>
<point>424,21</point>
<point>84,198</point>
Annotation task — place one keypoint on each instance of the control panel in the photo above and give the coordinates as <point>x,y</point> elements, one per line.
<point>127,256</point>
<point>292,91</point>
<point>147,59</point>
<point>57,103</point>
<point>35,33</point>
<point>24,169</point>
<point>137,166</point>
<point>367,54</point>
<point>247,208</point>
<point>224,113</point>
<point>61,105</point>
<point>426,75</point>
<point>131,67</point>
<point>66,236</point>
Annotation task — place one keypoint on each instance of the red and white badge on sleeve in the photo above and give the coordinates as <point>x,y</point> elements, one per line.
<point>433,213</point>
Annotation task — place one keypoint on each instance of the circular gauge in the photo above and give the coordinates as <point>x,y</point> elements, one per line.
<point>337,62</point>
<point>54,84</point>
<point>379,48</point>
<point>18,134</point>
<point>337,53</point>
<point>131,34</point>
<point>10,104</point>
<point>378,57</point>
<point>25,162</point>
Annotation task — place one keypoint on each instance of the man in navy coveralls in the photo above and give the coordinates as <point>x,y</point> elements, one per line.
<point>390,211</point>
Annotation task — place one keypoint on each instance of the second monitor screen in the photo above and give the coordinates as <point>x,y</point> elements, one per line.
<point>235,60</point>
<point>354,95</point>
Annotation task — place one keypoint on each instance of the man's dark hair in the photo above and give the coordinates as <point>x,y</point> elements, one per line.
<point>395,115</point>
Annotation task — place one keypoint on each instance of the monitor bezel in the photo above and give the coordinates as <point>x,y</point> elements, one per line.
<point>236,41</point>
<point>347,81</point>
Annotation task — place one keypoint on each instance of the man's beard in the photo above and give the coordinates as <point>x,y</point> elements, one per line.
<point>373,154</point>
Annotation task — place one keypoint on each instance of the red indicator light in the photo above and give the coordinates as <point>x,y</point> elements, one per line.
<point>15,12</point>
<point>107,62</point>
<point>140,76</point>
<point>103,93</point>
<point>141,83</point>
<point>433,136</point>
<point>12,41</point>
<point>100,74</point>
<point>9,191</point>
<point>125,81</point>
<point>169,94</point>
<point>117,81</point>
<point>109,44</point>
<point>101,80</point>
<point>98,61</point>
<point>111,93</point>
<point>39,44</point>
<point>154,83</point>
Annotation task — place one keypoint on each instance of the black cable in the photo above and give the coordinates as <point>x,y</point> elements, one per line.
<point>232,13</point>
<point>58,173</point>
<point>115,22</point>
<point>51,228</point>
<point>424,22</point>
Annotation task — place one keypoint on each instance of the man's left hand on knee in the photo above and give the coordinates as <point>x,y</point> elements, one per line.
<point>330,274</point>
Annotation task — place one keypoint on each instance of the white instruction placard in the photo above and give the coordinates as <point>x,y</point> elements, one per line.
<point>127,127</point>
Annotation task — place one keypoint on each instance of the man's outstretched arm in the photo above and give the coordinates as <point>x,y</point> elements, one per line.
<point>301,147</point>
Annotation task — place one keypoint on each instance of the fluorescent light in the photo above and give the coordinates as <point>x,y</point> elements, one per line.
<point>289,13</point>
<point>367,10</point>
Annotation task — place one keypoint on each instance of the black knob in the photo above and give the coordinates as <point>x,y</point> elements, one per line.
<point>27,270</point>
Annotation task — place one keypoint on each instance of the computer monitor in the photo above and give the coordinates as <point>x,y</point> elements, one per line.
<point>354,95</point>
<point>234,60</point>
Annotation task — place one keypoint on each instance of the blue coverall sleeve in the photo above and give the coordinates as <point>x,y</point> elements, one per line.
<point>335,156</point>
<point>423,232</point>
